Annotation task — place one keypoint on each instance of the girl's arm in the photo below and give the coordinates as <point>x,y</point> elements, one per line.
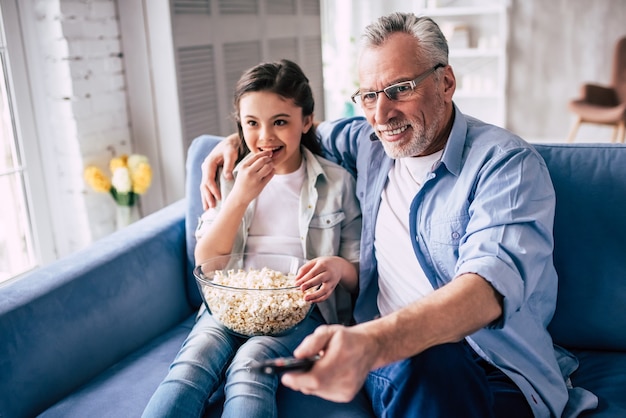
<point>254,173</point>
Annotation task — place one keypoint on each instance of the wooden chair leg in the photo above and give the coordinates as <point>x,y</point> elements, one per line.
<point>621,131</point>
<point>615,132</point>
<point>574,130</point>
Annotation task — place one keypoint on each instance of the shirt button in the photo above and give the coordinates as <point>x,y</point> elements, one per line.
<point>455,235</point>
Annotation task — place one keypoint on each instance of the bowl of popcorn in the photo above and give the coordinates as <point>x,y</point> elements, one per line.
<point>253,294</point>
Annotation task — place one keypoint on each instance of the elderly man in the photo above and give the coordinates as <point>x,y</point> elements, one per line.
<point>457,283</point>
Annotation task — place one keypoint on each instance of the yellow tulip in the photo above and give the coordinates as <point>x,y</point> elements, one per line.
<point>118,162</point>
<point>97,179</point>
<point>134,160</point>
<point>141,177</point>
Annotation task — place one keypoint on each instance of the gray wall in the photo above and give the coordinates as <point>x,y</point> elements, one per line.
<point>555,46</point>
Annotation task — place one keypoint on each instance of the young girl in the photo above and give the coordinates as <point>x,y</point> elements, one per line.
<point>293,202</point>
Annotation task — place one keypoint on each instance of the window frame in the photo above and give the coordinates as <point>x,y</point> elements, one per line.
<point>19,78</point>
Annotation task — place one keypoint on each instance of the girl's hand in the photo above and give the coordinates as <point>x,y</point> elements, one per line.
<point>253,176</point>
<point>322,273</point>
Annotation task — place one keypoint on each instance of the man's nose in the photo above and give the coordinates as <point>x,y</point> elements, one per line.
<point>384,106</point>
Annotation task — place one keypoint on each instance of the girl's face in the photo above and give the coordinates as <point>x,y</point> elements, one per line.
<point>273,123</point>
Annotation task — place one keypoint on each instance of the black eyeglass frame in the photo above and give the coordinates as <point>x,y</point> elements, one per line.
<point>412,83</point>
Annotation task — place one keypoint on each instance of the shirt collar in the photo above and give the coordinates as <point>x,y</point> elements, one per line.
<point>313,167</point>
<point>453,152</point>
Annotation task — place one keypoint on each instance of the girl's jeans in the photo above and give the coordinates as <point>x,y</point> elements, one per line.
<point>211,355</point>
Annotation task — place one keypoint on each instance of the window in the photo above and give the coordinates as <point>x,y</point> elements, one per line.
<point>16,243</point>
<point>25,231</point>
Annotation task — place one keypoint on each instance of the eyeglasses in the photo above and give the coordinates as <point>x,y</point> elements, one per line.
<point>396,92</point>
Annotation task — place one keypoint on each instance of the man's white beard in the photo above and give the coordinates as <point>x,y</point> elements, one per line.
<point>421,138</point>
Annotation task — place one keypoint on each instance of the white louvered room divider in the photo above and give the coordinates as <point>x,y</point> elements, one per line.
<point>216,40</point>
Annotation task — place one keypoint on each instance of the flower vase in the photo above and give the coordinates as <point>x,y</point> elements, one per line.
<point>125,215</point>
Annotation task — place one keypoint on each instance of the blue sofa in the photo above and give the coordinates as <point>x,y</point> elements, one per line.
<point>92,335</point>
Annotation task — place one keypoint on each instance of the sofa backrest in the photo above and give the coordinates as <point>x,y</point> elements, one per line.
<point>590,244</point>
<point>589,231</point>
<point>198,150</point>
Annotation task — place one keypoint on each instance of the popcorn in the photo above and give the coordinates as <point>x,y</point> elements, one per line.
<point>256,302</point>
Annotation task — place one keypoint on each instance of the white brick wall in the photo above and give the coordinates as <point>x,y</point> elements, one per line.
<point>86,111</point>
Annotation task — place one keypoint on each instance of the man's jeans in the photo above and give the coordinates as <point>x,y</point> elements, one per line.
<point>449,381</point>
<point>210,355</point>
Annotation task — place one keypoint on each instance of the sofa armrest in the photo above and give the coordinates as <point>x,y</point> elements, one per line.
<point>66,322</point>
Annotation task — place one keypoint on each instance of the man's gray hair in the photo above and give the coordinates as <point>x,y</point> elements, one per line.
<point>432,43</point>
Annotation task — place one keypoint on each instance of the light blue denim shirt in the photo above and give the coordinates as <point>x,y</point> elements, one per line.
<point>487,207</point>
<point>329,223</point>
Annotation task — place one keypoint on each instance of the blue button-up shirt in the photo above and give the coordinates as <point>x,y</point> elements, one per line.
<point>487,207</point>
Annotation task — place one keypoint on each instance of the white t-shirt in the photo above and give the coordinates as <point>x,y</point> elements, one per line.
<point>274,226</point>
<point>401,280</point>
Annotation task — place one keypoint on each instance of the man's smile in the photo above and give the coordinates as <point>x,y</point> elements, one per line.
<point>389,134</point>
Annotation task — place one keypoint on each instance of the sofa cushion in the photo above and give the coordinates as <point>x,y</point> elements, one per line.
<point>590,244</point>
<point>603,373</point>
<point>125,388</point>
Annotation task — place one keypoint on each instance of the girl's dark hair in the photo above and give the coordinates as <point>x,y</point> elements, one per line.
<point>286,79</point>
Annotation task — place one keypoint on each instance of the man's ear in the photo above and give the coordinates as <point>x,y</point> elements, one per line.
<point>449,83</point>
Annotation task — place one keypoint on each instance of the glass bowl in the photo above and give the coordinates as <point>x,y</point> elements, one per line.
<point>253,294</point>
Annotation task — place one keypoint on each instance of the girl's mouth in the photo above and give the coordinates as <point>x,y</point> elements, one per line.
<point>273,150</point>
